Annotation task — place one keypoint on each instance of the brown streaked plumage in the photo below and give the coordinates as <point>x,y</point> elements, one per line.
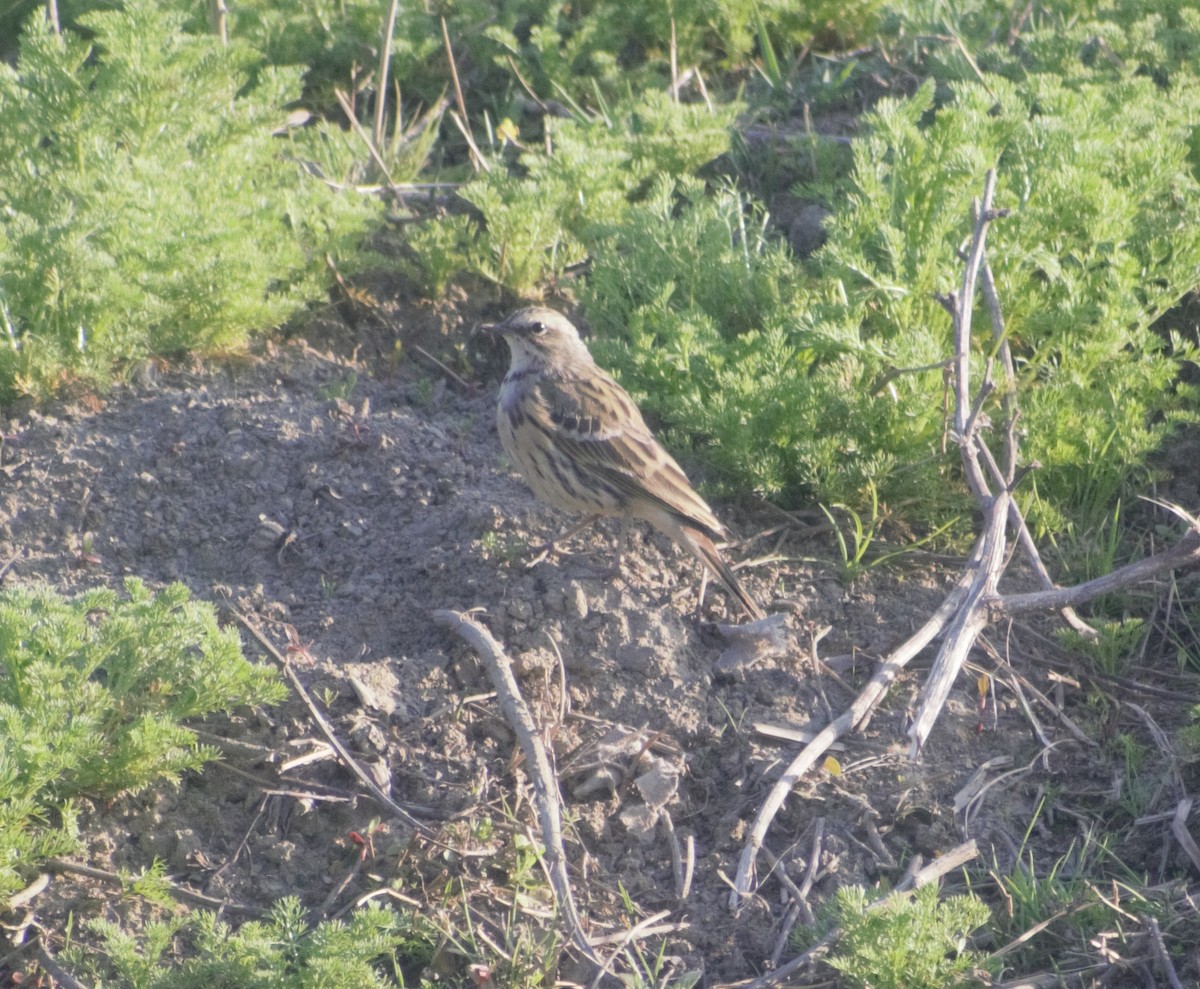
<point>581,444</point>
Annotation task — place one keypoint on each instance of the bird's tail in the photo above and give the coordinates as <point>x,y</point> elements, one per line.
<point>705,550</point>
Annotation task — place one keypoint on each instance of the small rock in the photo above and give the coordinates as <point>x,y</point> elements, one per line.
<point>575,601</point>
<point>278,851</point>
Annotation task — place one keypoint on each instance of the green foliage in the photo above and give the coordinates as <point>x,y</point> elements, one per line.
<point>1081,41</point>
<point>1115,647</point>
<point>566,48</point>
<point>1183,636</point>
<point>524,951</point>
<point>147,208</point>
<point>833,387</point>
<point>540,216</point>
<point>907,941</point>
<point>565,51</point>
<point>1067,893</point>
<point>853,551</point>
<point>92,693</point>
<point>336,42</point>
<point>1091,182</point>
<point>281,952</point>
<point>190,229</point>
<point>1141,788</point>
<point>696,306</point>
<point>150,884</point>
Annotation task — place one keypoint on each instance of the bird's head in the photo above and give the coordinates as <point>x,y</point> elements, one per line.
<point>539,336</point>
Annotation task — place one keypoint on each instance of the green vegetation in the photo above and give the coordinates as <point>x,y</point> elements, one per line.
<point>1076,898</point>
<point>284,951</point>
<point>92,693</point>
<point>906,941</point>
<point>537,218</point>
<point>824,378</point>
<point>1113,649</point>
<point>146,207</point>
<point>782,379</point>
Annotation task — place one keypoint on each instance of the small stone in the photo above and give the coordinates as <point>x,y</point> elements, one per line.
<point>278,851</point>
<point>575,601</point>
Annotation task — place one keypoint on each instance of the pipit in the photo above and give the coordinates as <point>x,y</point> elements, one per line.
<point>581,444</point>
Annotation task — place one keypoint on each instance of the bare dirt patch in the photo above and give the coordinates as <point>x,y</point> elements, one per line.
<point>349,495</point>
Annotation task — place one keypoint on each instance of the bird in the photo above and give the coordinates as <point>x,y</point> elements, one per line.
<point>581,444</point>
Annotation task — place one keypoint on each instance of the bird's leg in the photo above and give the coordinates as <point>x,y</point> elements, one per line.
<point>622,545</point>
<point>547,548</point>
<point>701,591</point>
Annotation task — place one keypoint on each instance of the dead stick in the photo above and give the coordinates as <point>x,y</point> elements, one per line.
<point>1184,553</point>
<point>177,891</point>
<point>963,606</point>
<point>56,971</point>
<point>1025,538</point>
<point>871,694</point>
<point>29,893</point>
<point>991,298</point>
<point>971,619</point>
<point>545,784</point>
<point>348,110</point>
<point>1160,952</point>
<point>1179,829</point>
<point>330,736</point>
<point>991,550</point>
<point>385,60</point>
<point>958,856</point>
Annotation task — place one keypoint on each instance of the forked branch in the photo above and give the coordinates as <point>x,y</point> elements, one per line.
<point>975,600</point>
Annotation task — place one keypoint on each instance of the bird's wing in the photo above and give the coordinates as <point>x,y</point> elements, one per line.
<point>595,422</point>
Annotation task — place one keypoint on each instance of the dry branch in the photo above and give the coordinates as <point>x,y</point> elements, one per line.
<point>974,601</point>
<point>875,690</point>
<point>1182,835</point>
<point>1185,553</point>
<point>176,890</point>
<point>330,736</point>
<point>545,783</point>
<point>381,85</point>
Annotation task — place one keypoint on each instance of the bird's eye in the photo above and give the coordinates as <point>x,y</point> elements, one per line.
<point>538,329</point>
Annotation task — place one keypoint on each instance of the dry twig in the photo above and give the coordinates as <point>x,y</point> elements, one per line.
<point>177,891</point>
<point>1179,829</point>
<point>326,729</point>
<point>60,975</point>
<point>1160,953</point>
<point>372,150</point>
<point>545,783</point>
<point>385,61</point>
